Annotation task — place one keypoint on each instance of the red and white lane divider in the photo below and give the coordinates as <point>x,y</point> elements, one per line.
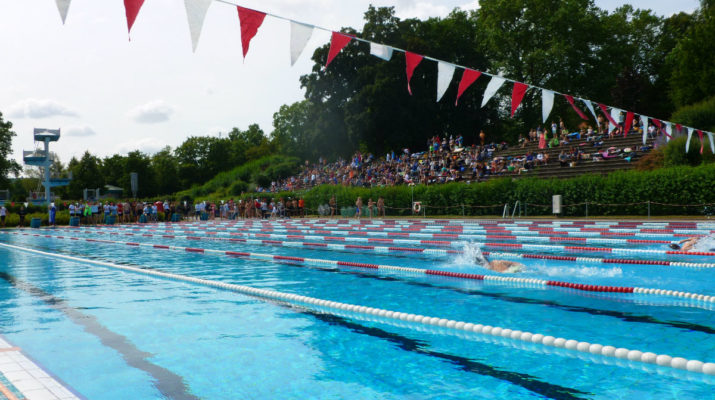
<point>521,282</point>
<point>479,244</point>
<point>392,235</point>
<point>664,360</point>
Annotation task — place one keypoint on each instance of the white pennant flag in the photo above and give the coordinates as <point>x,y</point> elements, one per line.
<point>712,145</point>
<point>63,6</point>
<point>669,131</point>
<point>616,115</point>
<point>299,36</point>
<point>547,103</point>
<point>589,105</point>
<point>445,72</point>
<point>196,12</point>
<point>644,120</point>
<point>381,51</point>
<point>492,88</point>
<point>690,135</point>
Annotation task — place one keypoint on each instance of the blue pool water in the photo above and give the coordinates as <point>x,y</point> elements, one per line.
<point>111,334</point>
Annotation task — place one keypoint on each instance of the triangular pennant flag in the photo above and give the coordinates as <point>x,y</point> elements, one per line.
<point>412,60</point>
<point>381,51</point>
<point>494,84</point>
<point>608,116</point>
<point>712,143</point>
<point>250,20</point>
<point>445,72</point>
<point>702,143</point>
<point>687,143</point>
<point>573,105</point>
<point>469,76</point>
<point>338,41</point>
<point>196,13</point>
<point>629,122</point>
<point>299,36</point>
<point>668,131</point>
<point>589,105</point>
<point>132,8</point>
<point>517,94</point>
<point>547,103</point>
<point>63,6</point>
<point>615,116</point>
<point>644,120</point>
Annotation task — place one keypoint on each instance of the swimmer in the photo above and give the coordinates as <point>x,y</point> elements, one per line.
<point>504,266</point>
<point>685,244</point>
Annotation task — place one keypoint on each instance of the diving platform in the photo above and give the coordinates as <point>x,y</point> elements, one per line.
<point>42,134</point>
<point>41,158</point>
<point>36,158</point>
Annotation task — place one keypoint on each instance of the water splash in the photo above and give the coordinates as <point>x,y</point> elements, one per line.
<point>471,256</point>
<point>706,243</point>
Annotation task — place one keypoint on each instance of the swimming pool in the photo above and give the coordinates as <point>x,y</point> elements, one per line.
<point>106,322</point>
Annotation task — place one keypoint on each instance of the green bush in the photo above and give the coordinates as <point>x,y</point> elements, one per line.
<point>700,115</point>
<point>674,152</point>
<point>238,187</point>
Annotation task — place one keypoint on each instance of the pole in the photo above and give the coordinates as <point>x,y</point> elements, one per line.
<point>587,209</point>
<point>648,209</point>
<point>463,210</point>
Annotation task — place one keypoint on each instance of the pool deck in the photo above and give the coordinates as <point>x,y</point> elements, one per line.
<point>30,380</point>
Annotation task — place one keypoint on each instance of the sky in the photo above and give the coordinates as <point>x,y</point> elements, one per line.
<point>112,95</point>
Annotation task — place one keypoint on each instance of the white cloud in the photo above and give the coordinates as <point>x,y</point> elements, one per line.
<point>149,145</point>
<point>39,108</point>
<point>79,131</point>
<point>423,10</point>
<point>473,5</point>
<point>152,113</point>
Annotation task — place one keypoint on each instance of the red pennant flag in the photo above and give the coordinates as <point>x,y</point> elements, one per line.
<point>678,127</point>
<point>517,94</point>
<point>250,22</point>
<point>579,112</point>
<point>337,42</point>
<point>702,143</point>
<point>132,8</point>
<point>607,114</point>
<point>412,60</point>
<point>629,122</point>
<point>469,76</point>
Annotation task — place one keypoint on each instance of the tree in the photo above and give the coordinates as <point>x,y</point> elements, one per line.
<point>691,60</point>
<point>293,130</point>
<point>86,174</point>
<point>166,171</point>
<point>7,165</point>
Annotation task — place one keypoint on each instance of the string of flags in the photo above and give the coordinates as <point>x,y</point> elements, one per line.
<point>251,20</point>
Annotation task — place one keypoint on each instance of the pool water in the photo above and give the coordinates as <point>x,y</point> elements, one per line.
<point>112,334</point>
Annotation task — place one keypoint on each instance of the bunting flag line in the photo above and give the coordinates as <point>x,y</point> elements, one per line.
<point>196,13</point>
<point>589,105</point>
<point>132,7</point>
<point>712,143</point>
<point>573,105</point>
<point>669,128</point>
<point>678,128</point>
<point>702,143</point>
<point>644,121</point>
<point>250,21</point>
<point>547,103</point>
<point>62,7</point>
<point>412,60</point>
<point>445,72</point>
<point>381,51</point>
<point>299,36</point>
<point>629,122</point>
<point>338,41</point>
<point>469,76</point>
<point>687,142</point>
<point>494,84</point>
<point>517,94</point>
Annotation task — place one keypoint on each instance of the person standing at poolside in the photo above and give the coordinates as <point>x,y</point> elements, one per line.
<point>22,214</point>
<point>53,214</point>
<point>370,205</point>
<point>380,207</point>
<point>3,214</point>
<point>358,207</point>
<point>333,206</point>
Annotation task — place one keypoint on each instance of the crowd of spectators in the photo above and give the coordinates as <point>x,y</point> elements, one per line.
<point>447,159</point>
